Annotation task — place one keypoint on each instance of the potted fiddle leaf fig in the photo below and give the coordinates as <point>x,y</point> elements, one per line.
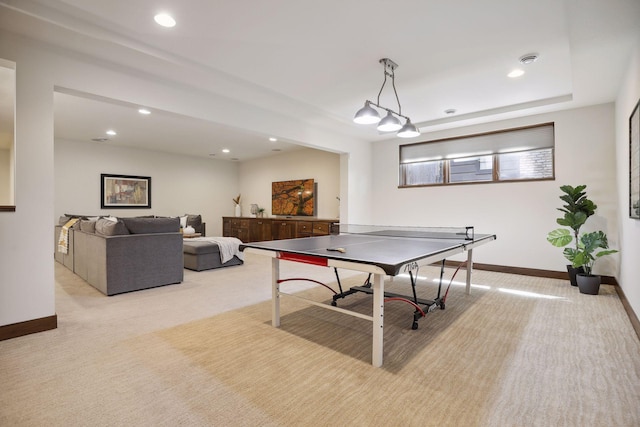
<point>576,210</point>
<point>585,255</point>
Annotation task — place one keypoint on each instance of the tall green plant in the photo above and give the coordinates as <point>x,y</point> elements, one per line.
<point>576,210</point>
<point>585,254</point>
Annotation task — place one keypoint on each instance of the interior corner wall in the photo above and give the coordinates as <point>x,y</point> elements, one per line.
<point>629,236</point>
<point>257,175</point>
<point>26,261</point>
<point>519,213</point>
<point>179,184</point>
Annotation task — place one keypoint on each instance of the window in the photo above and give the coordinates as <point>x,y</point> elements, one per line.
<point>509,155</point>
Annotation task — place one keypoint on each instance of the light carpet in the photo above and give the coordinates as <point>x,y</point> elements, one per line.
<point>517,351</point>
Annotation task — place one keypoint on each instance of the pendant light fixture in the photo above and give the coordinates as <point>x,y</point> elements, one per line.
<point>391,122</point>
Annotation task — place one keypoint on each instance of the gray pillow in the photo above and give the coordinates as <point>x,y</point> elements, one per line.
<point>152,225</point>
<point>105,227</point>
<point>88,226</point>
<point>195,221</point>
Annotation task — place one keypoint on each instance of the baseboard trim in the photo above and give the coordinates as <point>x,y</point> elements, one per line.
<point>16,330</point>
<point>535,272</point>
<point>635,323</point>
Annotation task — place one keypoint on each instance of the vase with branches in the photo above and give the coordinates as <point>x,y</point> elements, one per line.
<point>238,209</point>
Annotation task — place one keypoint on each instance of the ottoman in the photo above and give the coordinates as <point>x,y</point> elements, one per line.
<point>200,256</point>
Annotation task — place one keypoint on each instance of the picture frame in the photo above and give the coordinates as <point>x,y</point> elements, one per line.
<point>125,191</point>
<point>293,198</point>
<point>634,163</point>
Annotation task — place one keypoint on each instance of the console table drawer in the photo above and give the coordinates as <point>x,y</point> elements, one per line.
<point>305,228</point>
<point>321,228</point>
<point>261,229</point>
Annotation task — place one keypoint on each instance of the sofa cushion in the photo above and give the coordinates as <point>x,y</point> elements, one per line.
<point>106,227</point>
<point>199,247</point>
<point>151,225</point>
<point>88,226</point>
<point>195,221</point>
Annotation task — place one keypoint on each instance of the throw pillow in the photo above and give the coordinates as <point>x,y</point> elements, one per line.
<point>75,216</point>
<point>152,225</point>
<point>183,221</point>
<point>88,226</point>
<point>106,227</point>
<point>195,221</point>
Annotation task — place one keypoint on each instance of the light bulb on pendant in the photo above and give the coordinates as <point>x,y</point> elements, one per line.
<point>389,123</point>
<point>366,115</point>
<point>409,130</point>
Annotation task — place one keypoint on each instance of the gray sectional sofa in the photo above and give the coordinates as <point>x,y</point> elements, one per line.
<point>124,255</point>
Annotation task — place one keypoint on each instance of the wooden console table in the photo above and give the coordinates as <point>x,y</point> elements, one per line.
<point>261,229</point>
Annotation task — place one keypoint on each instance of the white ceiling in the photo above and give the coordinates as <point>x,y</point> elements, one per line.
<point>318,61</point>
<point>80,117</point>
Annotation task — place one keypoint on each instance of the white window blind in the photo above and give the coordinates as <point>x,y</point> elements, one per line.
<point>513,140</point>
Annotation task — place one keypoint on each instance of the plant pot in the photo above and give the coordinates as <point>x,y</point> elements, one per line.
<point>588,284</point>
<point>572,273</point>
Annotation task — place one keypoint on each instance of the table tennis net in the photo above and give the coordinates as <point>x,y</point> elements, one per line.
<point>454,233</point>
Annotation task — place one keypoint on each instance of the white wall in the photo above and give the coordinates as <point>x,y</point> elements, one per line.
<point>179,184</point>
<point>257,175</point>
<point>520,214</point>
<point>5,178</point>
<point>26,261</point>
<point>629,228</point>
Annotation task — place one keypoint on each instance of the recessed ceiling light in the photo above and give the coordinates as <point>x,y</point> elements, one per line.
<point>515,73</point>
<point>450,111</point>
<point>225,150</point>
<point>144,111</point>
<point>165,20</point>
<point>272,139</point>
<point>528,58</point>
<point>111,132</point>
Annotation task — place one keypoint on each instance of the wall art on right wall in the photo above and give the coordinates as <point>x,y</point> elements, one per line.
<point>634,163</point>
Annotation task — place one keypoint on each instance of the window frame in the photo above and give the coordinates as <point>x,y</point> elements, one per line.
<point>495,178</point>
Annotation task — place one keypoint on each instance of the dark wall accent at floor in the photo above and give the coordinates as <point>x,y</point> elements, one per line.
<point>29,327</point>
<point>627,307</point>
<point>534,272</point>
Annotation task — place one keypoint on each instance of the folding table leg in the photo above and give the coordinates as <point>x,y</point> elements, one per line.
<point>275,292</point>
<point>378,320</point>
<point>469,270</point>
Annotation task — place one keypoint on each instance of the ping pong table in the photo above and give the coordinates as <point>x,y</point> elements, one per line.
<point>379,251</point>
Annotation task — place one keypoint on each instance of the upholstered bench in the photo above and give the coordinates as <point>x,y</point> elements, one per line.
<point>199,255</point>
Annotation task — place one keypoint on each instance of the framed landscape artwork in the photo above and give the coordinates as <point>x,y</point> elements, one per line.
<point>634,163</point>
<point>293,198</point>
<point>125,191</point>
